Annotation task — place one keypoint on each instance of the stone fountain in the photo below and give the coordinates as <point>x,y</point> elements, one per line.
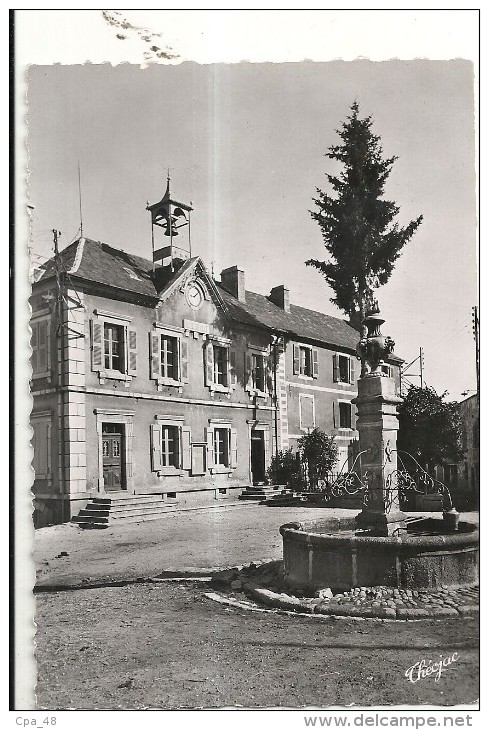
<point>381,545</point>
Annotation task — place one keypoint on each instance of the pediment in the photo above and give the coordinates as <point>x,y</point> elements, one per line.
<point>193,276</point>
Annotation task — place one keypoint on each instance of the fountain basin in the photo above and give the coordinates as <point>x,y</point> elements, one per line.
<point>331,553</point>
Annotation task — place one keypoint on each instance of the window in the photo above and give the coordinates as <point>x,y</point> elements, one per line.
<point>40,347</point>
<point>307,415</point>
<point>220,365</point>
<point>258,372</point>
<point>114,347</point>
<point>169,357</point>
<point>305,361</point>
<point>169,446</point>
<point>345,415</point>
<point>343,369</point>
<point>221,446</point>
<point>258,368</point>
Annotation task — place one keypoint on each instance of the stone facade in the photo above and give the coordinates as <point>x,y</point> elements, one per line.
<point>166,383</point>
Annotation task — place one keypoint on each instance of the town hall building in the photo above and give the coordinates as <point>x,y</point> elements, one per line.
<point>157,387</point>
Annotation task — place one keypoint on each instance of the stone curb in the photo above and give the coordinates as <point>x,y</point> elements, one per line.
<point>186,574</point>
<point>317,606</point>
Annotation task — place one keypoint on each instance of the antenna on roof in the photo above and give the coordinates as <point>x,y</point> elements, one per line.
<point>80,200</point>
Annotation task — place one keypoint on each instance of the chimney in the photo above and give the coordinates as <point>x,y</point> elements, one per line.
<point>233,281</point>
<point>280,296</point>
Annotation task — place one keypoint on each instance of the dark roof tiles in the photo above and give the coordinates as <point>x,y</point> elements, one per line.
<point>112,267</point>
<point>302,323</point>
<point>100,263</point>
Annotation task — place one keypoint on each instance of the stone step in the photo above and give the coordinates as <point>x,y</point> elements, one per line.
<point>121,508</point>
<point>128,514</point>
<point>104,511</point>
<point>83,521</point>
<point>265,488</point>
<point>95,513</point>
<point>125,499</point>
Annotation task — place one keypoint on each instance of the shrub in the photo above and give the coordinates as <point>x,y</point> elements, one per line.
<point>285,468</point>
<point>320,454</point>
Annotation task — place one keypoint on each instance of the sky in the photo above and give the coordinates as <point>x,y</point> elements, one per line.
<point>246,143</point>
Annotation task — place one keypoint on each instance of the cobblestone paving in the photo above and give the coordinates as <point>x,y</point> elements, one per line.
<point>264,585</point>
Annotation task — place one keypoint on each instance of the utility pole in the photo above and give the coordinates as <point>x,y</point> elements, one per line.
<point>57,272</point>
<point>475,329</point>
<point>405,374</point>
<point>60,378</point>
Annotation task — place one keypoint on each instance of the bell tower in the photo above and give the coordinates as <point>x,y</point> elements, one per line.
<point>167,218</point>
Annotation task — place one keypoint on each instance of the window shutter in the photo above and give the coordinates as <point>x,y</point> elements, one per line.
<point>209,363</point>
<point>336,368</point>
<point>232,367</point>
<point>352,416</point>
<point>296,355</point>
<point>183,375</point>
<point>42,358</point>
<point>132,352</point>
<point>269,373</point>
<point>48,345</point>
<point>155,447</point>
<point>248,372</point>
<point>334,415</point>
<point>186,448</point>
<point>266,438</point>
<point>155,354</point>
<point>34,346</point>
<point>209,437</point>
<point>352,369</point>
<point>97,344</point>
<point>233,452</point>
<point>315,364</point>
<point>228,368</point>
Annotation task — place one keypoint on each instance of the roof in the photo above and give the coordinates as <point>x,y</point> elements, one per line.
<point>300,323</point>
<point>102,264</point>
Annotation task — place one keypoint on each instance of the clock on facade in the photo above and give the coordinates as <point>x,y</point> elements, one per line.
<point>194,295</point>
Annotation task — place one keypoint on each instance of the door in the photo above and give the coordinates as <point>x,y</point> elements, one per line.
<point>258,457</point>
<point>112,457</point>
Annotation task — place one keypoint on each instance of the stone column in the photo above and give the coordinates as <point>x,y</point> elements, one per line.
<point>377,425</point>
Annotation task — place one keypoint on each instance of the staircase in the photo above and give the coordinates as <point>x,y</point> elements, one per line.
<point>102,512</point>
<point>263,492</point>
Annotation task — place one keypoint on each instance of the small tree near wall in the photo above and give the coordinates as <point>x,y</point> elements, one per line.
<point>285,468</point>
<point>429,427</point>
<point>320,454</point>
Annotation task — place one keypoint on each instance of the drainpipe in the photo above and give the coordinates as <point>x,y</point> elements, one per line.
<point>274,345</point>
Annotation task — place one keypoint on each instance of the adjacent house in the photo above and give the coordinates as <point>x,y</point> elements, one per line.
<point>154,384</point>
<point>467,474</point>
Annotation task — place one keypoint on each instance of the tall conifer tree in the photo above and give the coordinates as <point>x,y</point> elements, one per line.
<point>356,222</point>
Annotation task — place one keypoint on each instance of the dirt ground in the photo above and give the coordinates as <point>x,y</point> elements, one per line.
<point>207,538</point>
<point>167,646</point>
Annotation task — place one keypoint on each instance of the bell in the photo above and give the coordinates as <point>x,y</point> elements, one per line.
<point>171,230</point>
